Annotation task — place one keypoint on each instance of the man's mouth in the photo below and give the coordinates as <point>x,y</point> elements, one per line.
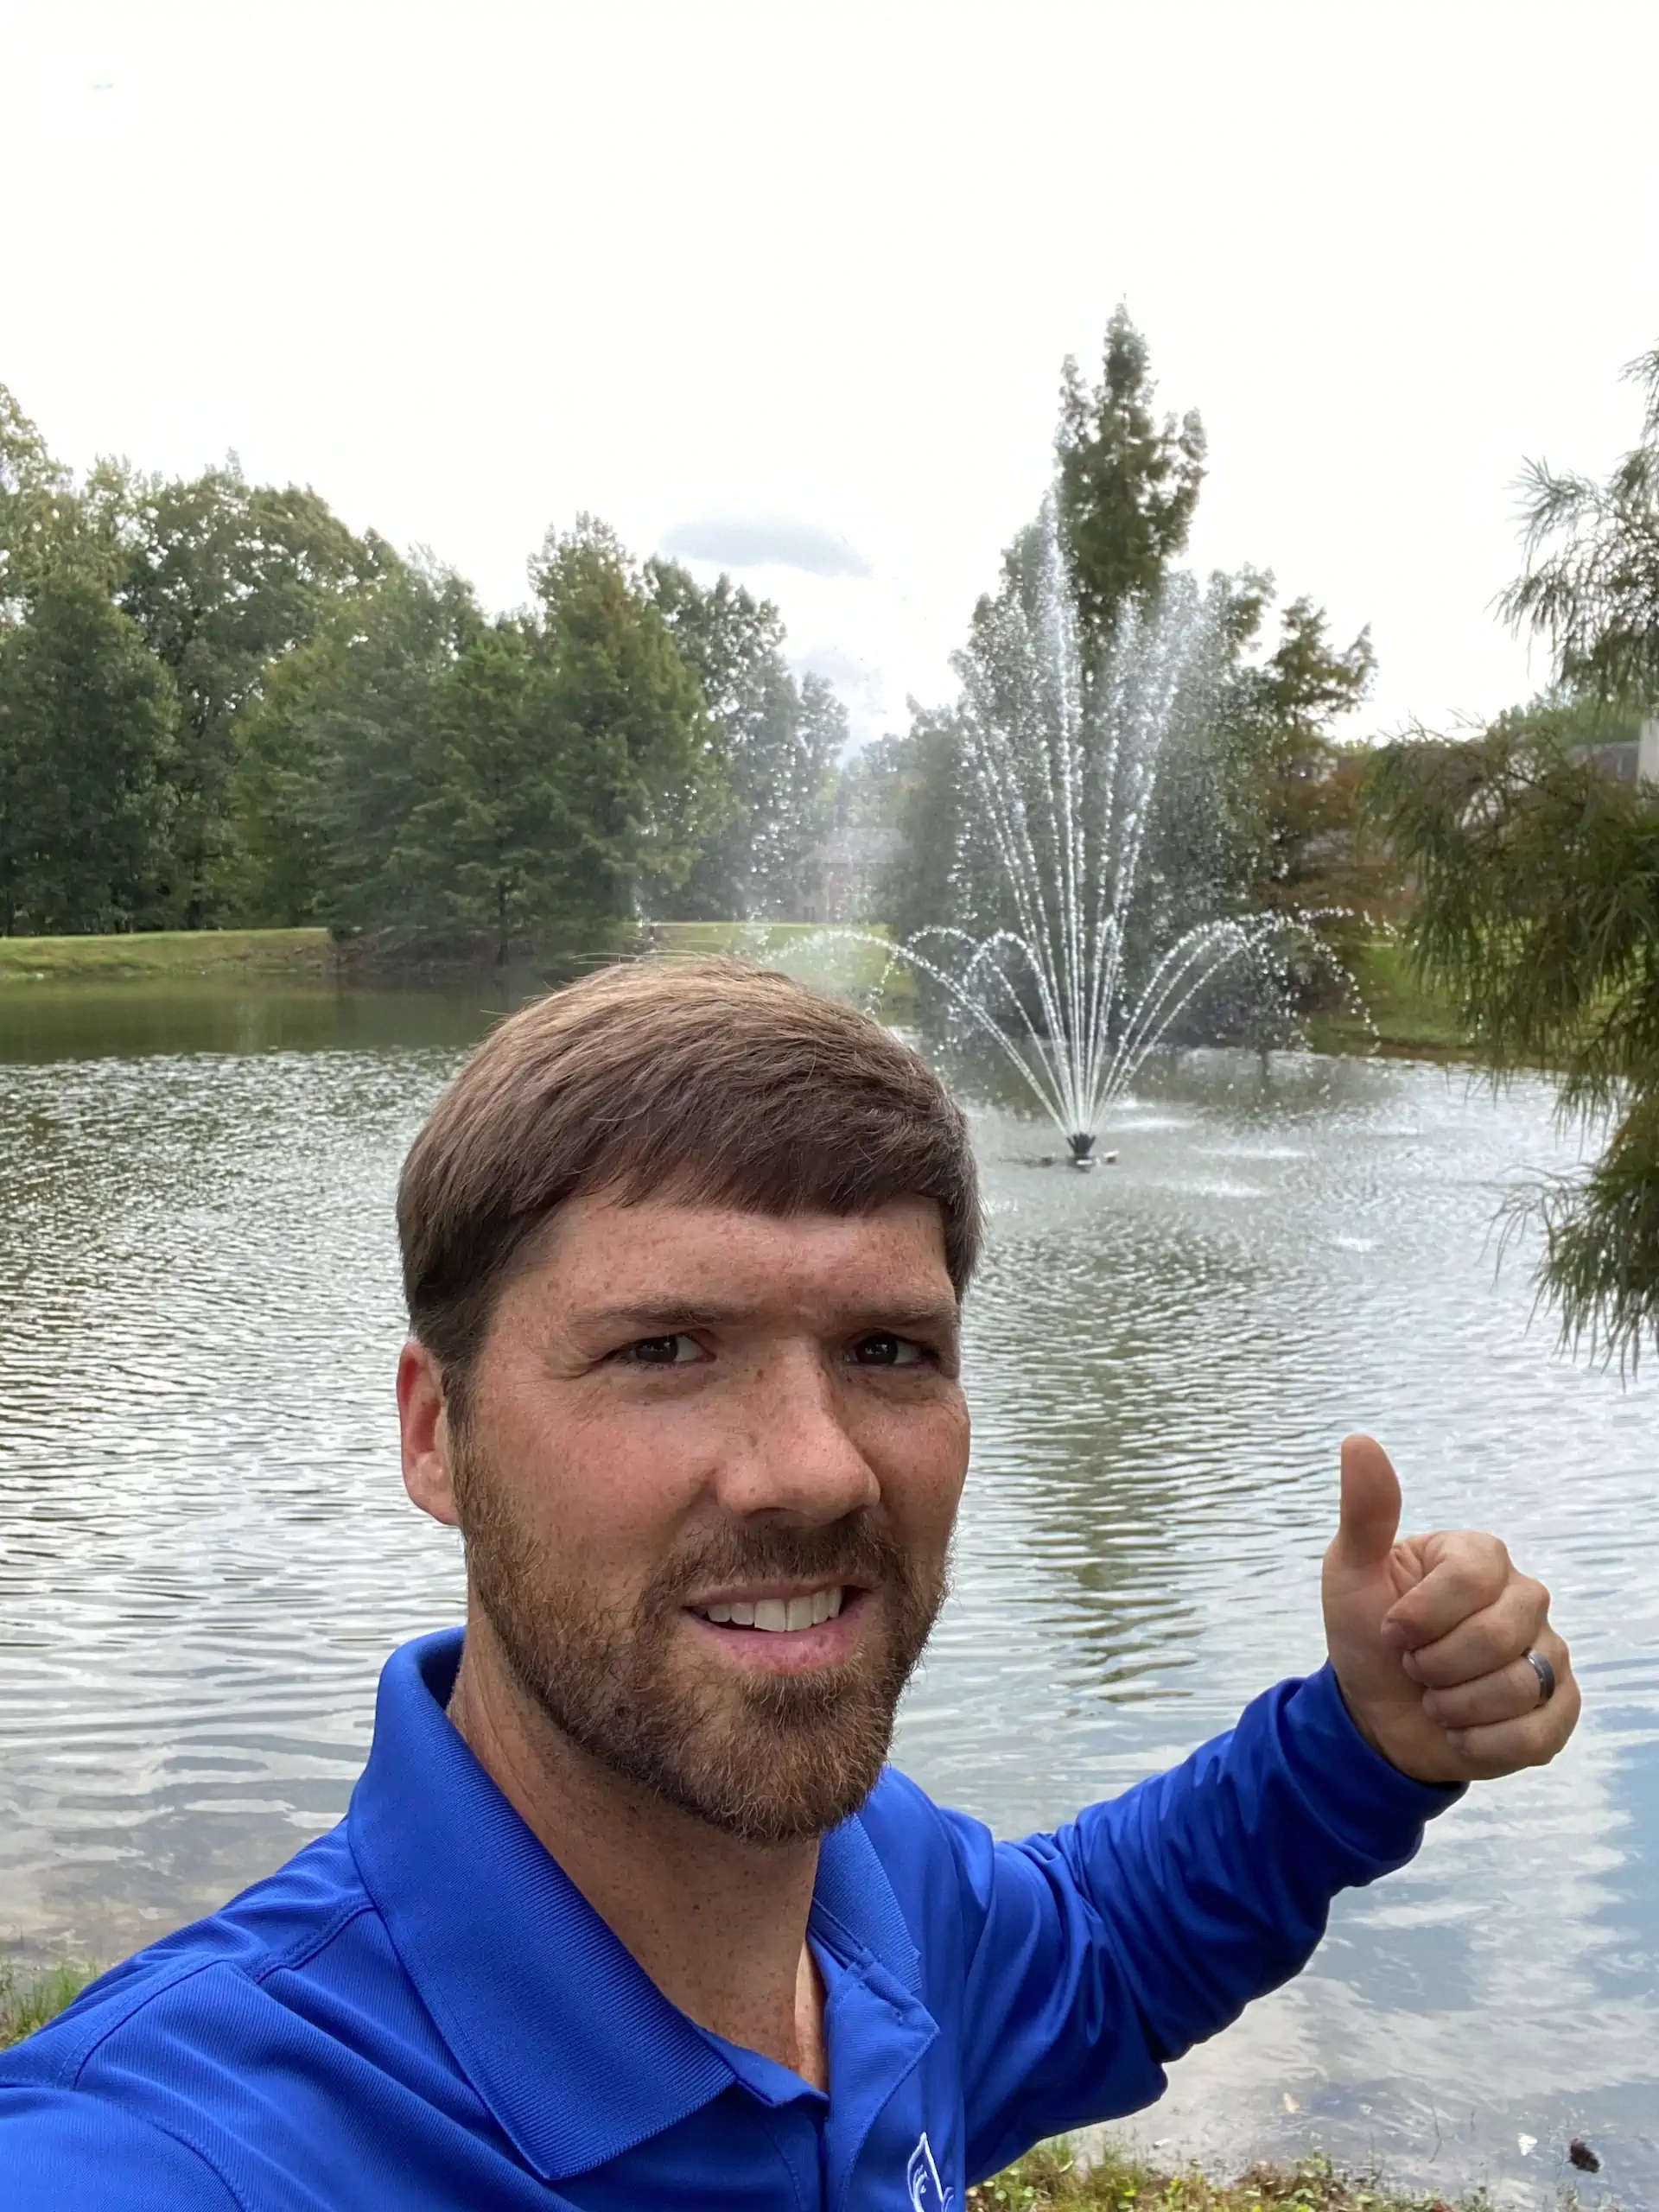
<point>777,1616</point>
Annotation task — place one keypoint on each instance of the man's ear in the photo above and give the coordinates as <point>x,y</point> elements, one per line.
<point>423,1419</point>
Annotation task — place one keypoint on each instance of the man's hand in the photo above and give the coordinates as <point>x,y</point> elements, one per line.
<point>1429,1635</point>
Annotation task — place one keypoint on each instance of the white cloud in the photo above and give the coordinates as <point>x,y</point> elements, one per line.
<point>752,542</point>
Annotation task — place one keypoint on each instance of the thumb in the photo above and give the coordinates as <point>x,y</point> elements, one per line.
<point>1371,1505</point>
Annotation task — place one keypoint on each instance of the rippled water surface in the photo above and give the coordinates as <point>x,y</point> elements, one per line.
<point>206,1553</point>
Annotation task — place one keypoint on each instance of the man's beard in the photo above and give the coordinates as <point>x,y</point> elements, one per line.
<point>769,1759</point>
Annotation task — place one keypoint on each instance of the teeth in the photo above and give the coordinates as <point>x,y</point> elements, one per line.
<point>778,1616</point>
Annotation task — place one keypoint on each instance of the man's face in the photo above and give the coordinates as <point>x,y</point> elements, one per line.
<point>708,1482</point>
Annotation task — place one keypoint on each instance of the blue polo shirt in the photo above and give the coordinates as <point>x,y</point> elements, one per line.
<point>420,2013</point>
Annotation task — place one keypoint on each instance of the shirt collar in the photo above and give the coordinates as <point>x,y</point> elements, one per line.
<point>562,2032</point>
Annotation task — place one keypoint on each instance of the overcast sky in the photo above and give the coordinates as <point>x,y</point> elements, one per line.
<point>788,286</point>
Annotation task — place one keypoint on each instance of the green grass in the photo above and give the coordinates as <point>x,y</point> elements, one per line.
<point>28,2001</point>
<point>1405,1018</point>
<point>1049,2180</point>
<point>161,956</point>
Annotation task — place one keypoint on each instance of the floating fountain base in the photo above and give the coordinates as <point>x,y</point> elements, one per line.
<point>1083,1145</point>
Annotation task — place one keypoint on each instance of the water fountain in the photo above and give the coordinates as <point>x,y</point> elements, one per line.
<point>1074,955</point>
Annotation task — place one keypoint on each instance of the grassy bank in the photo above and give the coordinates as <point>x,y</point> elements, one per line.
<point>28,2001</point>
<point>1404,1017</point>
<point>1049,2181</point>
<point>167,956</point>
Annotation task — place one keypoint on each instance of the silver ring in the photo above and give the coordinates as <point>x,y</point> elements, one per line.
<point>1546,1674</point>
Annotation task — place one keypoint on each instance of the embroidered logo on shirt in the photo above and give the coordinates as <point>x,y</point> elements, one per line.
<point>927,2192</point>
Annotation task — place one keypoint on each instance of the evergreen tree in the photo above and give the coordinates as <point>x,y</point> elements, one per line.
<point>1537,912</point>
<point>1125,487</point>
<point>1127,483</point>
<point>1537,881</point>
<point>85,718</point>
<point>1591,585</point>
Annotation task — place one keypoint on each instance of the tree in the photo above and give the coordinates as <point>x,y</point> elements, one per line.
<point>929,803</point>
<point>1289,790</point>
<point>85,719</point>
<point>488,840</point>
<point>35,492</point>
<point>640,780</point>
<point>1537,910</point>
<point>1537,874</point>
<point>419,772</point>
<point>225,579</point>
<point>1254,805</point>
<point>1591,583</point>
<point>1253,799</point>
<point>1127,484</point>
<point>777,742</point>
<point>358,751</point>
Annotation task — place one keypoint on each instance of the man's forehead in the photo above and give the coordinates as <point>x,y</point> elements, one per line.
<point>598,1248</point>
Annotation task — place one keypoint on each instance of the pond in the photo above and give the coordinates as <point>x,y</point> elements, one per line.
<point>206,1553</point>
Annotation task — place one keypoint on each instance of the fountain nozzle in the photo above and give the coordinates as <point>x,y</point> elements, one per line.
<point>1081,1142</point>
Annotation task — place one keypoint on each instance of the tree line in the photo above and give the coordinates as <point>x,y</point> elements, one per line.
<point>219,706</point>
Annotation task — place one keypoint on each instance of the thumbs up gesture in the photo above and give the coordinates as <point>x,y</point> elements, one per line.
<point>1430,1638</point>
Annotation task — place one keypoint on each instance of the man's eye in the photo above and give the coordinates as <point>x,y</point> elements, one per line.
<point>663,1351</point>
<point>881,1349</point>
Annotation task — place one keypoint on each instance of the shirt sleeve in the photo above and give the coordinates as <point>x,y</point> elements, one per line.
<point>74,2152</point>
<point>1100,1952</point>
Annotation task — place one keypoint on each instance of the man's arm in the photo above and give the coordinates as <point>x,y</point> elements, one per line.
<point>1097,1954</point>
<point>1102,1952</point>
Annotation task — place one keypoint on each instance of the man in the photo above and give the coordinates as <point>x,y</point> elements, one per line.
<point>625,1911</point>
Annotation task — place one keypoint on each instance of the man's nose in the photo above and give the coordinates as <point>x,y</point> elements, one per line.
<point>791,1452</point>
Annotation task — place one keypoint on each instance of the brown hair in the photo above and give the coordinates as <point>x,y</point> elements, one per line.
<point>723,1083</point>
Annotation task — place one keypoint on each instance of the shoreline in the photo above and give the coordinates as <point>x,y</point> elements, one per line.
<point>169,956</point>
<point>1401,1019</point>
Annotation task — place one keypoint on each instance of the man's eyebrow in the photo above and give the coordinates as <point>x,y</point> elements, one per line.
<point>660,1317</point>
<point>668,1316</point>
